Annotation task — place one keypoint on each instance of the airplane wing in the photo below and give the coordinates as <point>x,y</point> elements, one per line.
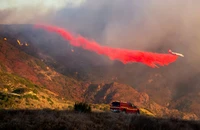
<point>179,54</point>
<point>175,53</point>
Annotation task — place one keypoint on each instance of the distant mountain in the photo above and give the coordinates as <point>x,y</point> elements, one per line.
<point>106,93</point>
<point>48,61</point>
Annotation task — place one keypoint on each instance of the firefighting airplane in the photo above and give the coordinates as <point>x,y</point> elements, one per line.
<point>175,53</point>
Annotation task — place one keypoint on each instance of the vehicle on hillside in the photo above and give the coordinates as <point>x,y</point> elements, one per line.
<point>125,107</point>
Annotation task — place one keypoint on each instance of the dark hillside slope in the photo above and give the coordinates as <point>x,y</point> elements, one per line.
<point>15,61</point>
<point>48,119</point>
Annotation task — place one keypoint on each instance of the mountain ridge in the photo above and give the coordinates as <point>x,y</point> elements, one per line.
<point>71,72</point>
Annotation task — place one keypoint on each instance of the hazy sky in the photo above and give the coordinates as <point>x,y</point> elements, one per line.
<point>27,11</point>
<point>6,4</point>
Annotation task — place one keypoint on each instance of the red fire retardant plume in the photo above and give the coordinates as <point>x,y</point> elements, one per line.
<point>123,55</point>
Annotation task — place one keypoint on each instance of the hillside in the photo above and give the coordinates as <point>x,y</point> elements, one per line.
<point>18,62</point>
<point>19,93</point>
<point>46,60</point>
<point>54,119</point>
<point>106,93</point>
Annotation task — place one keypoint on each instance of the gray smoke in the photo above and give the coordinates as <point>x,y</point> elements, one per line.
<point>135,24</point>
<point>139,24</point>
<point>153,25</point>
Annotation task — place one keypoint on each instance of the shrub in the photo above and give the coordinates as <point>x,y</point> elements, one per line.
<point>82,107</point>
<point>6,100</point>
<point>70,107</point>
<point>31,96</point>
<point>20,90</point>
<point>50,101</point>
<point>35,91</point>
<point>41,64</point>
<point>2,67</point>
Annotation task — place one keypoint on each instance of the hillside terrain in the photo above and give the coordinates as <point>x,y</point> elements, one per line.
<point>54,119</point>
<point>19,93</point>
<point>17,62</point>
<point>39,68</point>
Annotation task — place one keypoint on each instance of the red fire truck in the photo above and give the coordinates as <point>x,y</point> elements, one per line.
<point>125,107</point>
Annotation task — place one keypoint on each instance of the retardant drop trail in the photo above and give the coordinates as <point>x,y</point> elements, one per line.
<point>123,55</point>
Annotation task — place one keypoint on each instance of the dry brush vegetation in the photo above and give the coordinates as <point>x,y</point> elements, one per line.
<point>70,120</point>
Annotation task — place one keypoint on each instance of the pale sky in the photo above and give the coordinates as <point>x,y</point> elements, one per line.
<point>56,4</point>
<point>30,11</point>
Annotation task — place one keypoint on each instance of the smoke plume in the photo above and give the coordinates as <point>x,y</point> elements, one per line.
<point>123,55</point>
<point>153,25</point>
